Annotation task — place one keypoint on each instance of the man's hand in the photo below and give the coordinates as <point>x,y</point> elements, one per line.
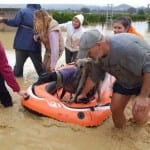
<point>141,109</point>
<point>23,94</point>
<point>36,37</point>
<point>141,104</point>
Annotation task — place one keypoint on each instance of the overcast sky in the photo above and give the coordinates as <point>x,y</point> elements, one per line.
<point>136,3</point>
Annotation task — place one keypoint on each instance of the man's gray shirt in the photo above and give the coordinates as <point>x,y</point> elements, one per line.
<point>127,60</point>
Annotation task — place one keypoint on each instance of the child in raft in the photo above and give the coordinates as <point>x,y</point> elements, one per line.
<point>68,78</point>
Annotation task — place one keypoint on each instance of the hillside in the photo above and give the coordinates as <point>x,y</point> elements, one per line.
<point>70,6</point>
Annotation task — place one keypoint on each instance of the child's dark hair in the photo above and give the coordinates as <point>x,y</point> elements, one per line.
<point>125,21</point>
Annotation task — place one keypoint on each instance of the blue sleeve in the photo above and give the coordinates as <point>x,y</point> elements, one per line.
<point>14,22</point>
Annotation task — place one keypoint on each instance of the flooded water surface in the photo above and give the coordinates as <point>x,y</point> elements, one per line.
<point>23,130</point>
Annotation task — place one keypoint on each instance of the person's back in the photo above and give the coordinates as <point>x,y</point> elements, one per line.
<point>24,35</point>
<point>24,43</point>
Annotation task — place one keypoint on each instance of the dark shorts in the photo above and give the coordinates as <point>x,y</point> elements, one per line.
<point>117,88</point>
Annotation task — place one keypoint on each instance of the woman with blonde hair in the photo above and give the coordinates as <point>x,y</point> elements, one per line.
<point>47,30</point>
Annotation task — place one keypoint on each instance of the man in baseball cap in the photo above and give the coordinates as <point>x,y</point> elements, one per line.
<point>87,41</point>
<point>127,58</point>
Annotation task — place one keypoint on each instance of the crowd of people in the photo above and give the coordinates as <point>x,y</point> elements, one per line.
<point>124,55</point>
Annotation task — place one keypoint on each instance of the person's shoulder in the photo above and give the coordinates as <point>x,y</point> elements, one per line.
<point>69,23</point>
<point>132,36</point>
<point>122,38</point>
<point>23,10</point>
<point>133,31</point>
<point>54,23</point>
<point>124,35</point>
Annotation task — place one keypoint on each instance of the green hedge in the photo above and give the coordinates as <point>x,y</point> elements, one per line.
<point>62,17</point>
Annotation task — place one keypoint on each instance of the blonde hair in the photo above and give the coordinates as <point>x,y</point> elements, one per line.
<point>41,22</point>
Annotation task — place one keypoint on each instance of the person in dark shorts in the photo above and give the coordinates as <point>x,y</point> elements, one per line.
<point>127,58</point>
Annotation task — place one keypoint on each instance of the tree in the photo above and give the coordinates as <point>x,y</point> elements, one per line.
<point>85,10</point>
<point>141,12</point>
<point>132,10</point>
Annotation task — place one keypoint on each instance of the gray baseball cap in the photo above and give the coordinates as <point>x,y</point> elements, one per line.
<point>87,41</point>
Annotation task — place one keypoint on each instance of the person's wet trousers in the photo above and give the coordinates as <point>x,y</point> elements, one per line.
<point>5,97</point>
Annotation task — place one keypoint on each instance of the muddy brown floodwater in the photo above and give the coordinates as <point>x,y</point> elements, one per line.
<point>23,130</point>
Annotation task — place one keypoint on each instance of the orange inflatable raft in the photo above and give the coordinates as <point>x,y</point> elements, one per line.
<point>91,114</point>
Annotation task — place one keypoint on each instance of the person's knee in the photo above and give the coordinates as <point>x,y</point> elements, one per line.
<point>46,77</point>
<point>115,109</point>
